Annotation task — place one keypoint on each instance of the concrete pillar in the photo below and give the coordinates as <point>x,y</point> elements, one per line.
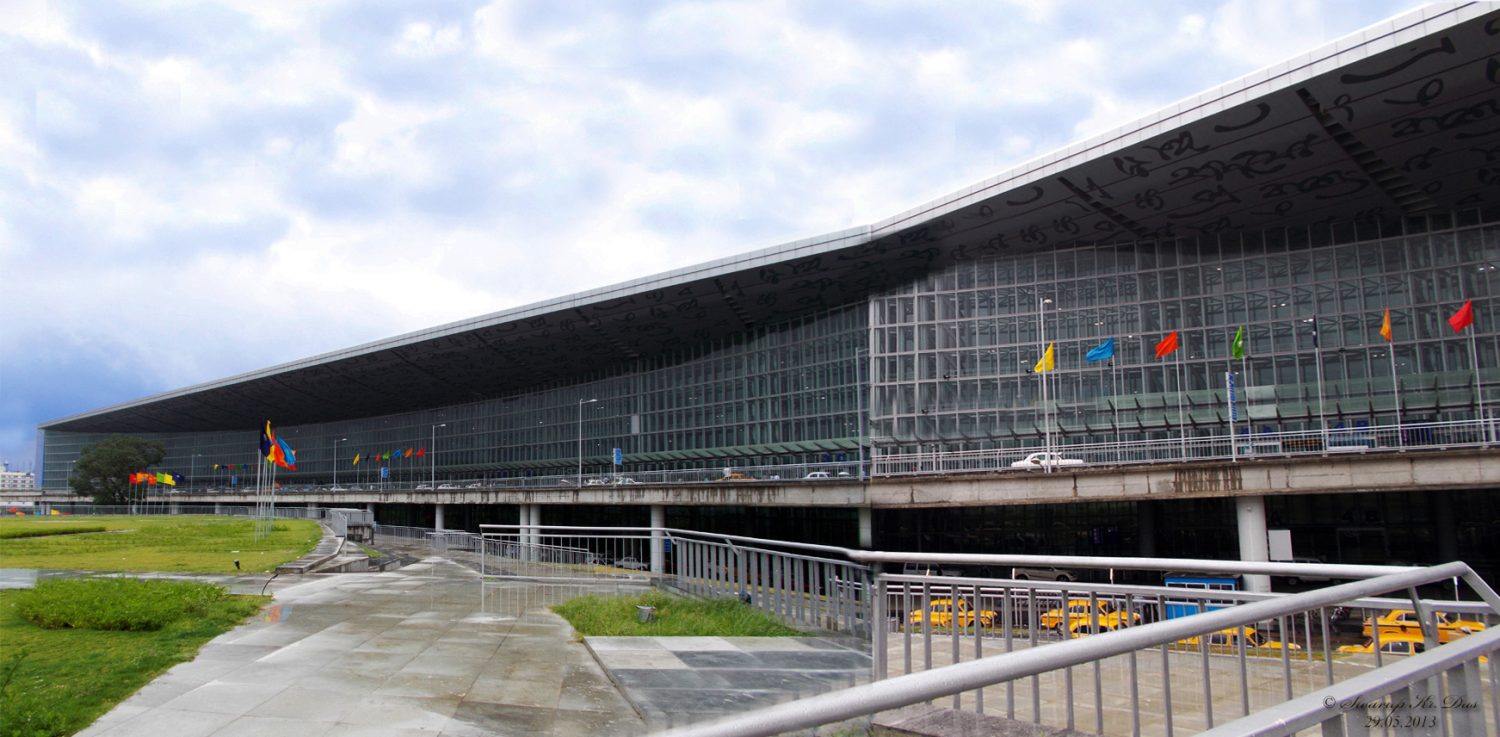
<point>370,507</point>
<point>866,528</point>
<point>535,520</point>
<point>174,508</point>
<point>658,551</point>
<point>437,516</point>
<point>1444,529</point>
<point>218,508</point>
<point>1145,529</point>
<point>1250,513</point>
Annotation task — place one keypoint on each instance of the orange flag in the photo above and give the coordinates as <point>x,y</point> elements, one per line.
<point>1385,326</point>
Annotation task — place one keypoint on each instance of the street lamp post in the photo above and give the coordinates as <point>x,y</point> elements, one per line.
<point>336,442</point>
<point>432,461</point>
<point>581,402</point>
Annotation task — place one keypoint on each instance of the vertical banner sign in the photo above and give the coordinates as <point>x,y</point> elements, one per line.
<point>385,472</point>
<point>619,457</point>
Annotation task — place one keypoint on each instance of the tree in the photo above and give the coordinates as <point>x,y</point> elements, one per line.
<point>103,469</point>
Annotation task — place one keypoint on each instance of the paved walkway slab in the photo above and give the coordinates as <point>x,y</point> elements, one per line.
<point>426,651</point>
<point>678,680</point>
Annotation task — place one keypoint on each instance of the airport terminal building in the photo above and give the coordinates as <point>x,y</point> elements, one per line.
<point>1302,204</point>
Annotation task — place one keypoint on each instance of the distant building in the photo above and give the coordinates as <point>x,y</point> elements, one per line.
<point>16,479</point>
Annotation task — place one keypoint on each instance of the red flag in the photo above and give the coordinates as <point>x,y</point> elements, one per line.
<point>421,452</point>
<point>1463,318</point>
<point>1167,344</point>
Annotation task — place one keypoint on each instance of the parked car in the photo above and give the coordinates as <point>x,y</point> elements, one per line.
<point>337,488</point>
<point>1294,580</point>
<point>1082,619</point>
<point>630,562</point>
<point>1043,574</point>
<point>424,487</point>
<point>930,569</point>
<point>817,475</point>
<point>1038,461</point>
<point>597,482</point>
<point>940,613</point>
<point>1405,622</point>
<point>623,480</point>
<point>1392,644</point>
<point>1228,638</point>
<point>447,486</point>
<point>475,485</point>
<point>736,476</point>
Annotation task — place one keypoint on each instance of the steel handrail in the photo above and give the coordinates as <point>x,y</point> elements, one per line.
<point>939,682</point>
<point>1309,710</point>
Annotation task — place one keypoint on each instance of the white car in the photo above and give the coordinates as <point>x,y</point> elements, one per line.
<point>630,562</point>
<point>596,482</point>
<point>620,480</point>
<point>475,485</point>
<point>817,475</point>
<point>1046,460</point>
<point>447,486</point>
<point>424,487</point>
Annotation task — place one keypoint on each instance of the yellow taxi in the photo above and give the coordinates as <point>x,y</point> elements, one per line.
<point>940,613</point>
<point>1229,637</point>
<point>1396,643</point>
<point>1083,619</point>
<point>1405,622</point>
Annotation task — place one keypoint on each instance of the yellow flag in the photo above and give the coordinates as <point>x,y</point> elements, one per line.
<point>1047,362</point>
<point>356,460</point>
<point>1385,326</point>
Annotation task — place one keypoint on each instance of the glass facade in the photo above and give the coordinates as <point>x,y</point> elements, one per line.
<point>777,394</point>
<point>952,354</point>
<point>948,362</point>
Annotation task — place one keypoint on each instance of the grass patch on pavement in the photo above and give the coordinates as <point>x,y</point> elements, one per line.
<point>615,616</point>
<point>187,544</point>
<point>56,681</point>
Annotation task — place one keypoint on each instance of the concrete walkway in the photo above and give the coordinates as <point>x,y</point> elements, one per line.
<point>426,651</point>
<point>678,680</point>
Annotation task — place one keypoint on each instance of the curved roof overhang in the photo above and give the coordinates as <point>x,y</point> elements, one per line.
<point>1398,120</point>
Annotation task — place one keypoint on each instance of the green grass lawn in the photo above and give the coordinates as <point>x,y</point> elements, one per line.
<point>185,544</point>
<point>58,681</point>
<point>615,616</point>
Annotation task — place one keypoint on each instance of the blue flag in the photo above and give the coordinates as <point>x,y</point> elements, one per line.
<point>1102,352</point>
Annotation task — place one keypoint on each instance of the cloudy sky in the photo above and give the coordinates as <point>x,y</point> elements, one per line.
<point>193,190</point>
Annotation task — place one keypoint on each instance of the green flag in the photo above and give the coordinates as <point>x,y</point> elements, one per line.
<point>1237,346</point>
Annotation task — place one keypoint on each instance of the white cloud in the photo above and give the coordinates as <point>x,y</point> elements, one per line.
<point>296,182</point>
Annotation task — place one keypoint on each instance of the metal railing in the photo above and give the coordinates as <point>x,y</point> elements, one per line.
<point>1377,439</point>
<point>1177,676</point>
<point>810,585</point>
<point>1169,448</point>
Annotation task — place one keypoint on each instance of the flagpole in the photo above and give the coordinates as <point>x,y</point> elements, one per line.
<point>1041,316</point>
<point>1181,421</point>
<point>1234,448</point>
<point>1318,363</point>
<point>1396,387</point>
<point>1478,387</point>
<point>1249,423</point>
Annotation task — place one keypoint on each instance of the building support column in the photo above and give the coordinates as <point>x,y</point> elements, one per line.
<point>658,536</point>
<point>1250,513</point>
<point>174,508</point>
<point>218,508</point>
<point>437,516</point>
<point>536,522</point>
<point>866,528</point>
<point>1444,529</point>
<point>370,507</point>
<point>1145,529</point>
